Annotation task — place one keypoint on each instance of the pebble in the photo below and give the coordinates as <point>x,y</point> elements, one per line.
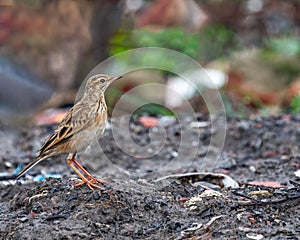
<point>23,219</point>
<point>243,125</point>
<point>72,197</point>
<point>96,195</point>
<point>226,163</point>
<point>252,169</point>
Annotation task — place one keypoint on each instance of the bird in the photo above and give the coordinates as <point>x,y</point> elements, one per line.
<point>83,124</point>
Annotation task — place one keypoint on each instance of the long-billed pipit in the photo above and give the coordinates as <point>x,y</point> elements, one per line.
<point>82,125</point>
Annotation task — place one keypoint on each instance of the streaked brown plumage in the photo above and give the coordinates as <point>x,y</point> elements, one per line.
<point>82,125</point>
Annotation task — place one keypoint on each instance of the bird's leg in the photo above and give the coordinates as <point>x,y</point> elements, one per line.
<point>90,177</point>
<point>90,180</point>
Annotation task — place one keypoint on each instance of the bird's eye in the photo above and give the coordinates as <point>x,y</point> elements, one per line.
<point>102,80</point>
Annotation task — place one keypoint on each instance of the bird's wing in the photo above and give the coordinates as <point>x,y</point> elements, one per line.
<point>77,119</point>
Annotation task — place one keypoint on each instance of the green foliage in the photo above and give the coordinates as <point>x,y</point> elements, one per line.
<point>186,43</point>
<point>176,39</point>
<point>217,41</point>
<point>121,42</point>
<point>212,42</point>
<point>285,45</point>
<point>152,109</point>
<point>295,104</point>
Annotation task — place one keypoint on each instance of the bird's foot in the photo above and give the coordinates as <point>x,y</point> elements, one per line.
<point>91,182</point>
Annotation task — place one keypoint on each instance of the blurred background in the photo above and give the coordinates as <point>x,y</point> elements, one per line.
<point>251,49</point>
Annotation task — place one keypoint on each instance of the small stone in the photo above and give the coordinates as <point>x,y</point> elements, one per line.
<point>72,197</point>
<point>23,219</point>
<point>227,163</point>
<point>252,169</point>
<point>243,125</point>
<point>96,195</point>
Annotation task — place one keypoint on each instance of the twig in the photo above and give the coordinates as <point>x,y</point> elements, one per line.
<point>295,183</point>
<point>288,198</point>
<point>245,196</point>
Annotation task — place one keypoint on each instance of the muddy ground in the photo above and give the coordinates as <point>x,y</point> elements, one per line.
<point>143,199</point>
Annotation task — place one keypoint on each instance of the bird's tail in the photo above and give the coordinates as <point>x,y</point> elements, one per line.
<point>30,165</point>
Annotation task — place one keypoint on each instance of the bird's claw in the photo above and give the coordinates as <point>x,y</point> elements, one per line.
<point>91,182</point>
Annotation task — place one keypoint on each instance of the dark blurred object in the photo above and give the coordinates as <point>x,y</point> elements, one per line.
<point>104,20</point>
<point>20,91</point>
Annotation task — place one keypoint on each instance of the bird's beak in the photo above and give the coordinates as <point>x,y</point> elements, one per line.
<point>116,78</point>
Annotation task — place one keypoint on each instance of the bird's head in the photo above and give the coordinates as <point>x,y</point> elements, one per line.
<point>98,83</point>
